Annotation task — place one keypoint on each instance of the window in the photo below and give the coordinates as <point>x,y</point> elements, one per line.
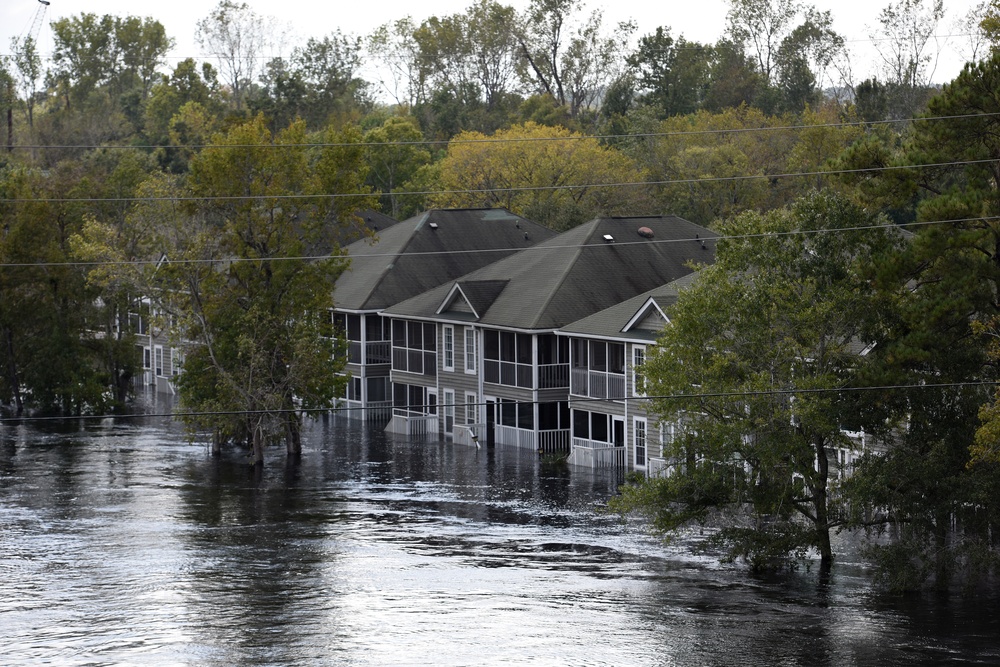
<point>471,409</point>
<point>640,442</point>
<point>449,410</point>
<point>177,359</point>
<point>470,350</point>
<point>414,347</point>
<point>158,360</point>
<point>449,347</point>
<point>638,381</point>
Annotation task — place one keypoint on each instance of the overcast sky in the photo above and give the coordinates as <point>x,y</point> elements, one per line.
<point>700,20</point>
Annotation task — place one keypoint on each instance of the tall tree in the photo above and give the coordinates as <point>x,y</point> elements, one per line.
<point>239,38</point>
<point>758,342</point>
<point>257,311</point>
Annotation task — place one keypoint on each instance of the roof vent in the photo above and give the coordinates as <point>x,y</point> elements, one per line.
<point>433,225</point>
<point>608,238</point>
<point>646,232</point>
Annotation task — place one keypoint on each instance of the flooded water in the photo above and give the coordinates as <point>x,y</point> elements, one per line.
<point>123,544</point>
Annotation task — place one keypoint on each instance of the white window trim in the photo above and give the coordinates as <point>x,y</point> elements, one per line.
<point>158,357</point>
<point>475,407</point>
<point>448,403</point>
<point>470,350</point>
<point>635,375</point>
<point>446,363</point>
<point>635,437</point>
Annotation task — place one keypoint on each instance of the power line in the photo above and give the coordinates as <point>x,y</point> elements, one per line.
<point>429,406</point>
<point>439,253</point>
<point>526,188</point>
<point>493,140</point>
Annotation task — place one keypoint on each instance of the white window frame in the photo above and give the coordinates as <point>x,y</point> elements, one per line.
<point>470,350</point>
<point>448,402</point>
<point>176,360</point>
<point>158,360</point>
<point>638,359</point>
<point>448,347</point>
<point>471,408</point>
<point>639,425</point>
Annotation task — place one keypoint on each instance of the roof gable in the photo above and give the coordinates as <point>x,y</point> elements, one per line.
<point>650,317</point>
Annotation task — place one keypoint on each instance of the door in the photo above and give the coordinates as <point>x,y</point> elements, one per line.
<point>491,420</point>
<point>618,431</point>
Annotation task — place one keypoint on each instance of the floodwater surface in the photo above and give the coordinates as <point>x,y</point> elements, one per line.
<point>121,543</point>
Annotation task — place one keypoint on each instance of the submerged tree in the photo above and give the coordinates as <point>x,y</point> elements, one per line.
<point>253,301</point>
<point>760,343</point>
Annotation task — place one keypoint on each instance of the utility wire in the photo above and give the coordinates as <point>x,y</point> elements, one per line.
<point>428,406</point>
<point>537,247</point>
<point>495,140</point>
<point>527,188</point>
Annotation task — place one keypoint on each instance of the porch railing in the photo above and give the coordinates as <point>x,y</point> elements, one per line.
<point>597,384</point>
<point>378,352</point>
<point>463,434</point>
<point>592,454</point>
<point>405,422</point>
<point>553,376</point>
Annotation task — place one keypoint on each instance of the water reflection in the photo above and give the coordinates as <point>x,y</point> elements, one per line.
<point>123,543</point>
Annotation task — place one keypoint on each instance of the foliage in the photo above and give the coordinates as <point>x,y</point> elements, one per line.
<point>253,306</point>
<point>757,342</point>
<point>526,170</point>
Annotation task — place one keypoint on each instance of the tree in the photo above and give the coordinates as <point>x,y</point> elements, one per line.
<point>550,175</point>
<point>28,65</point>
<point>238,37</point>
<point>901,41</point>
<point>571,61</point>
<point>941,504</point>
<point>758,342</point>
<point>673,74</point>
<point>394,155</point>
<point>254,306</point>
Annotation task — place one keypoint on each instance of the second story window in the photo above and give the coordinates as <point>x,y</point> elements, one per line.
<point>470,350</point>
<point>448,345</point>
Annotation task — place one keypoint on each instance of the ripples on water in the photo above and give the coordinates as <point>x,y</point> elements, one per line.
<point>127,545</point>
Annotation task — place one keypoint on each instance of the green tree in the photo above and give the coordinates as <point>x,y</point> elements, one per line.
<point>549,175</point>
<point>673,73</point>
<point>257,311</point>
<point>394,155</point>
<point>757,342</point>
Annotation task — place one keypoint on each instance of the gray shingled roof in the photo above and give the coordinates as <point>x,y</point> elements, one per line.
<point>610,322</point>
<point>427,250</point>
<point>577,273</point>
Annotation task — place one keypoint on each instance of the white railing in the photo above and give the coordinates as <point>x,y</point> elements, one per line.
<point>507,373</point>
<point>554,441</point>
<point>378,352</point>
<point>470,434</point>
<point>657,466</point>
<point>596,457</point>
<point>597,384</point>
<point>517,437</point>
<point>406,423</point>
<point>553,376</point>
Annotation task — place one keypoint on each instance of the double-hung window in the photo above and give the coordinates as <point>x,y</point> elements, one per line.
<point>470,350</point>
<point>448,361</point>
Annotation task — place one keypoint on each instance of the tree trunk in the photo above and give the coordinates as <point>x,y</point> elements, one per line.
<point>293,434</point>
<point>216,443</point>
<point>12,376</point>
<point>257,452</point>
<point>822,511</point>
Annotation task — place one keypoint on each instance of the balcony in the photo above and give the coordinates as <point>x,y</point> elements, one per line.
<point>597,384</point>
<point>553,376</point>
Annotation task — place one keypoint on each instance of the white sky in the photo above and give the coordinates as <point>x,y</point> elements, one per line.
<point>701,20</point>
